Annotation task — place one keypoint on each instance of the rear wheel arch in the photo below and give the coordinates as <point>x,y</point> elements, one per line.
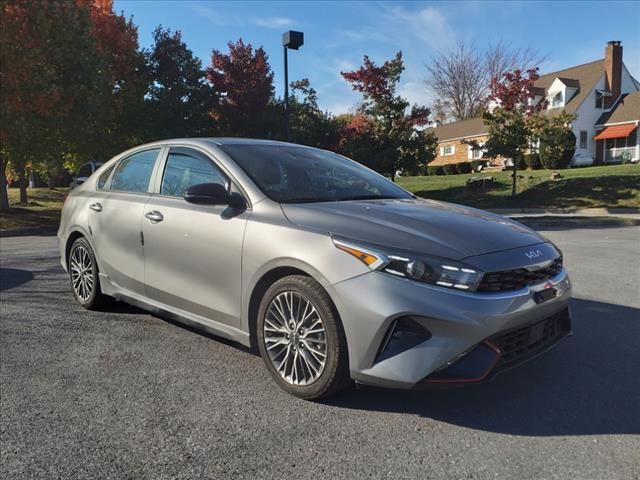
<point>73,236</point>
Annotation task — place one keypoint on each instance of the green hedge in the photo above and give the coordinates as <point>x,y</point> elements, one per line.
<point>450,168</point>
<point>533,161</point>
<point>435,170</point>
<point>464,167</point>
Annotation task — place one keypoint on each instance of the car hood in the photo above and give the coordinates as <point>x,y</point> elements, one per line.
<point>423,226</point>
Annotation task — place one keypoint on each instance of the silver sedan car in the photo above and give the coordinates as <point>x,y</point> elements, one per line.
<point>333,272</point>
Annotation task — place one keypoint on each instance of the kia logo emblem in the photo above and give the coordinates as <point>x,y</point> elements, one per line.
<point>533,254</point>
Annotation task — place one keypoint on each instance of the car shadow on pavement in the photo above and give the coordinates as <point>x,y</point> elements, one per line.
<point>13,277</point>
<point>589,384</point>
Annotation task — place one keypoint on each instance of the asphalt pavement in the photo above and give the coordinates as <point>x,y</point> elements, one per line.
<point>125,394</point>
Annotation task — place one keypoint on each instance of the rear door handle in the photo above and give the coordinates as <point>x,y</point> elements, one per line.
<point>96,207</point>
<point>155,216</point>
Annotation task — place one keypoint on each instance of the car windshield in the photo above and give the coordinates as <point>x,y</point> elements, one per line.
<point>290,174</point>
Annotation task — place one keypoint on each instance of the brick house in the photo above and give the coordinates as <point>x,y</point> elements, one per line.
<point>593,92</point>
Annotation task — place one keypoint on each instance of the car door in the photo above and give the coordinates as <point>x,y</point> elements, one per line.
<point>116,214</point>
<point>193,252</point>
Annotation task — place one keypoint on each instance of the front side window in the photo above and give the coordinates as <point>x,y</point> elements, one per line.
<point>134,172</point>
<point>448,150</point>
<point>289,174</point>
<point>583,139</point>
<point>185,168</point>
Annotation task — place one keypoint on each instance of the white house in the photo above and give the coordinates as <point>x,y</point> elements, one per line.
<point>591,92</point>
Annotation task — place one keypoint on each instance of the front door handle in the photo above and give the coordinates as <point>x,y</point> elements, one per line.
<point>155,216</point>
<point>96,207</point>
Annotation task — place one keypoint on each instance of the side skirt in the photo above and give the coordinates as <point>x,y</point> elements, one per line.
<point>177,315</point>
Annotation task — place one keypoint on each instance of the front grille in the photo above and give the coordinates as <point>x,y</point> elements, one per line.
<point>516,345</point>
<point>518,278</point>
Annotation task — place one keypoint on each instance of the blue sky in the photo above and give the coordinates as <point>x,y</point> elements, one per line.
<point>338,34</point>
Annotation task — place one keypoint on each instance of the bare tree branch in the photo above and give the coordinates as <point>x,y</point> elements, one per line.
<point>460,77</point>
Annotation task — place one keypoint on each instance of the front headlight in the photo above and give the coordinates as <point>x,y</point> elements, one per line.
<point>421,268</point>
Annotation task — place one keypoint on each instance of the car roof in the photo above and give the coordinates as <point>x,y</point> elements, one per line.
<point>221,141</point>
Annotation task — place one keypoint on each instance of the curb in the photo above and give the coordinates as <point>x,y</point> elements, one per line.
<point>587,212</point>
<point>551,222</point>
<point>32,231</point>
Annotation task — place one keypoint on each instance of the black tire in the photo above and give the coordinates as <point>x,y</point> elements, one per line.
<point>335,373</point>
<point>89,298</point>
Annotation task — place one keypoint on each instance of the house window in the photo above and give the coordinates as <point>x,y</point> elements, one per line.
<point>448,150</point>
<point>583,139</point>
<point>599,99</point>
<point>556,100</point>
<point>476,153</point>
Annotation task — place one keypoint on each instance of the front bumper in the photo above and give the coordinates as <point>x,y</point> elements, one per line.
<point>455,324</point>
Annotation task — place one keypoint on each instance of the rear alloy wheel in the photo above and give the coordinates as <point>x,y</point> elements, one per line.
<point>83,273</point>
<point>301,340</point>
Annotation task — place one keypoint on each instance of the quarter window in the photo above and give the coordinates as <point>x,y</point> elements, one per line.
<point>134,172</point>
<point>102,181</point>
<point>186,167</point>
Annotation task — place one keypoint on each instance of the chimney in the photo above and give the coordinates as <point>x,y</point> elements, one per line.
<point>613,70</point>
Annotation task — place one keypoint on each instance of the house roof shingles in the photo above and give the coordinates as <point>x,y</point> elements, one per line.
<point>583,77</point>
<point>627,109</point>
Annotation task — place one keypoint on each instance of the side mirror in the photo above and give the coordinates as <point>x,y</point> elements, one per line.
<point>213,194</point>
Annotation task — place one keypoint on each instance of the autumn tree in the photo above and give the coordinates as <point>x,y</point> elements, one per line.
<point>180,100</point>
<point>459,77</point>
<point>124,82</point>
<point>244,81</point>
<point>50,74</point>
<point>509,122</point>
<point>309,124</point>
<point>394,127</point>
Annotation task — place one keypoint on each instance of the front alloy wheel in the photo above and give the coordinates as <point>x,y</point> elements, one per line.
<point>295,338</point>
<point>301,340</point>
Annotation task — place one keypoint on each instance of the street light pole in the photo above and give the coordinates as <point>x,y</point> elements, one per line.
<point>286,95</point>
<point>293,40</point>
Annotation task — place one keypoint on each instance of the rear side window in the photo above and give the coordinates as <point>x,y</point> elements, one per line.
<point>134,172</point>
<point>104,178</point>
<point>186,167</point>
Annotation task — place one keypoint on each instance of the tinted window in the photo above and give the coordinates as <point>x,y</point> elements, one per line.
<point>185,168</point>
<point>290,174</point>
<point>134,172</point>
<point>102,181</point>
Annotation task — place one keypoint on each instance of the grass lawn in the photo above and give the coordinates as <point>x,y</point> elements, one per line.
<point>612,186</point>
<point>43,209</point>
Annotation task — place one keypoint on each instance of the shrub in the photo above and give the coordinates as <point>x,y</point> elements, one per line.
<point>450,168</point>
<point>533,161</point>
<point>464,167</point>
<point>435,170</point>
<point>557,152</point>
<point>476,163</point>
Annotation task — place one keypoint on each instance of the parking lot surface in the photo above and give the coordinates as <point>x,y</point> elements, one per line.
<point>125,394</point>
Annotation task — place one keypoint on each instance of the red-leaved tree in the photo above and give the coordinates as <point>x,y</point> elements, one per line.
<point>244,81</point>
<point>393,129</point>
<point>512,105</point>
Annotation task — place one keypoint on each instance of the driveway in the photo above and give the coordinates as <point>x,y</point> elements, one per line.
<point>125,394</point>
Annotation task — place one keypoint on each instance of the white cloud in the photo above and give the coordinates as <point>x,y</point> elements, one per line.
<point>273,22</point>
<point>429,25</point>
<point>415,92</point>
